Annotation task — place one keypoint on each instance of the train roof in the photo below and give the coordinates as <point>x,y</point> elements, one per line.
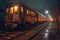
<point>20,3</point>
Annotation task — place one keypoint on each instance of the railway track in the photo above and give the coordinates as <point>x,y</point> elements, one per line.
<point>31,33</point>
<point>45,34</point>
<point>28,35</point>
<point>39,35</point>
<point>12,35</point>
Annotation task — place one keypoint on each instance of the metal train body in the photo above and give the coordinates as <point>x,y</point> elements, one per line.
<point>19,14</point>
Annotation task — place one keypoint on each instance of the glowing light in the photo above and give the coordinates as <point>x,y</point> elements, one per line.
<point>51,19</point>
<point>11,10</point>
<point>27,12</point>
<point>46,30</point>
<point>46,35</point>
<point>21,9</point>
<point>46,12</point>
<point>15,8</point>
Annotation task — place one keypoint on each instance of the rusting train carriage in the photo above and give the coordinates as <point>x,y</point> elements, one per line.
<point>19,14</point>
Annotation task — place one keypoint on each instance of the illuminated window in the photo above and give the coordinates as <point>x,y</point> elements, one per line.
<point>21,9</point>
<point>15,8</point>
<point>27,11</point>
<point>32,13</point>
<point>11,10</point>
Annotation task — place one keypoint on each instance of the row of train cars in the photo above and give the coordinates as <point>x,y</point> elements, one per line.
<point>20,16</point>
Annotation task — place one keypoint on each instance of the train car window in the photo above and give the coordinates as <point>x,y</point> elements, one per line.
<point>22,9</point>
<point>11,10</point>
<point>15,8</point>
<point>32,13</point>
<point>27,11</point>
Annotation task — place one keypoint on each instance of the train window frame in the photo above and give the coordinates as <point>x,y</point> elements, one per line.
<point>28,11</point>
<point>15,8</point>
<point>32,13</point>
<point>11,10</point>
<point>22,9</point>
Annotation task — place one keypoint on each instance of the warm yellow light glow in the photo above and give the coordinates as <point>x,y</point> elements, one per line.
<point>11,10</point>
<point>51,19</point>
<point>21,9</point>
<point>27,11</point>
<point>15,8</point>
<point>32,13</point>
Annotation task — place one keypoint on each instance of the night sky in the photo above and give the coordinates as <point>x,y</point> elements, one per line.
<point>37,5</point>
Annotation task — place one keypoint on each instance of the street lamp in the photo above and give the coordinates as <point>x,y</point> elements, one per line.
<point>46,11</point>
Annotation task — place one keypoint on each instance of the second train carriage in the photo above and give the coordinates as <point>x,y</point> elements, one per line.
<point>19,14</point>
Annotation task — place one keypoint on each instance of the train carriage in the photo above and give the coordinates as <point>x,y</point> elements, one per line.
<point>19,14</point>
